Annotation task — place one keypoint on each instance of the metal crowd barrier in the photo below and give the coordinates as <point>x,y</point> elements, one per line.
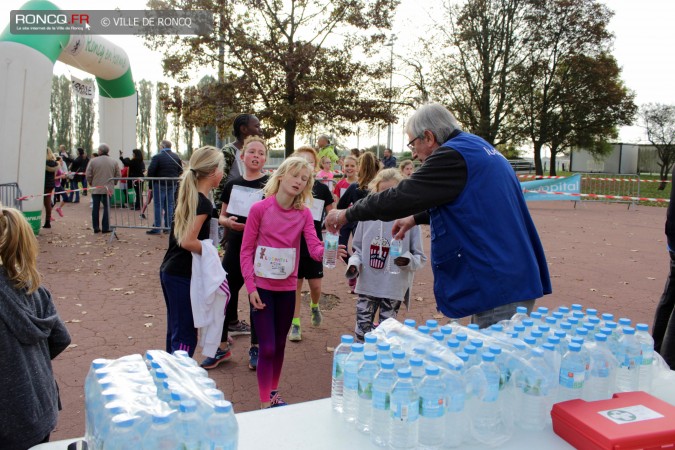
<point>9,193</point>
<point>126,212</point>
<point>610,184</point>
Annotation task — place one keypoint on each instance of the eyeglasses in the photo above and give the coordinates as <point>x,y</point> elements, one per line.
<point>411,144</point>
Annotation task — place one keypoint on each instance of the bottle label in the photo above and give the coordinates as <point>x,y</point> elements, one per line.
<point>365,390</point>
<point>380,400</point>
<point>432,407</point>
<point>631,362</point>
<point>571,379</point>
<point>647,355</point>
<point>351,380</point>
<point>405,411</point>
<point>338,361</point>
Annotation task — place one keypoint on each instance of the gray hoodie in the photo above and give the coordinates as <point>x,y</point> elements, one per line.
<point>31,335</point>
<point>371,259</point>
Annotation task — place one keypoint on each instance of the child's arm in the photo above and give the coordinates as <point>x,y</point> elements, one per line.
<point>314,245</point>
<point>229,221</point>
<point>415,253</point>
<point>190,242</point>
<point>248,248</point>
<point>355,261</point>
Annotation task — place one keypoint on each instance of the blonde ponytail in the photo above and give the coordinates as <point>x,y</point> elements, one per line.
<point>203,163</point>
<point>18,250</point>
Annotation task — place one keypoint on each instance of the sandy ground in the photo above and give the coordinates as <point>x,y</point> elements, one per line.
<point>600,255</point>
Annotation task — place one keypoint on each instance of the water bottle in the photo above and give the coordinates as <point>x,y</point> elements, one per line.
<point>382,383</point>
<point>124,433</point>
<point>572,374</point>
<point>189,425</point>
<point>624,322</point>
<point>395,250</point>
<point>487,424</point>
<point>410,323</point>
<point>366,374</point>
<point>533,392</point>
<point>350,390</point>
<point>160,435</point>
<point>404,414</point>
<point>92,394</point>
<point>647,345</point>
<point>330,250</point>
<point>337,382</point>
<point>399,359</point>
<point>424,329</point>
<point>629,356</point>
<point>600,382</point>
<point>455,417</point>
<point>433,325</point>
<point>383,350</point>
<point>369,342</point>
<point>438,337</point>
<point>221,428</point>
<point>417,370</point>
<point>432,410</point>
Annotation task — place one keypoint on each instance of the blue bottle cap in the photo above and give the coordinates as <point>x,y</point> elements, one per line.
<point>577,307</point>
<point>543,310</point>
<point>628,330</point>
<point>581,331</point>
<point>574,347</point>
<point>419,350</point>
<point>536,334</point>
<point>537,352</point>
<point>446,330</point>
<point>470,349</point>
<point>476,343</point>
<point>370,356</point>
<point>600,337</point>
<point>521,310</point>
<point>410,323</point>
<point>551,321</point>
<point>591,312</point>
<point>610,324</point>
<point>563,310</point>
<point>548,346</point>
<point>432,370</point>
<point>642,327</point>
<point>423,329</point>
<point>387,364</point>
<point>124,420</point>
<point>625,322</point>
<point>463,356</point>
<point>404,372</point>
<point>530,340</point>
<point>535,315</point>
<point>398,354</point>
<point>437,335</point>
<point>607,316</point>
<point>519,328</point>
<point>452,343</point>
<point>558,315</point>
<point>161,418</point>
<point>577,340</point>
<point>497,327</point>
<point>473,326</point>
<point>431,323</point>
<point>417,362</point>
<point>370,338</point>
<point>383,346</point>
<point>357,347</point>
<point>606,331</point>
<point>461,337</point>
<point>527,323</point>
<point>222,406</point>
<point>188,405</point>
<point>560,334</point>
<point>494,349</point>
<point>347,339</point>
<point>555,340</point>
<point>487,356</point>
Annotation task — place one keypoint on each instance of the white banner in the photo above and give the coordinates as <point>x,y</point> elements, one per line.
<point>82,88</point>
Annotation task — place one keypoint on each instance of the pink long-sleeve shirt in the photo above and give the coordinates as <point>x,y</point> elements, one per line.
<point>270,225</point>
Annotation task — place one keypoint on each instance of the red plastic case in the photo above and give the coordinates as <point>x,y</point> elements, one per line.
<point>629,420</point>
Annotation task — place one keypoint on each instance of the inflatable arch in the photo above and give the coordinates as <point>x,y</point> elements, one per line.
<point>26,68</point>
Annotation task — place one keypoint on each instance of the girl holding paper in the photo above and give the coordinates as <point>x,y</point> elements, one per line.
<point>237,197</point>
<point>269,264</point>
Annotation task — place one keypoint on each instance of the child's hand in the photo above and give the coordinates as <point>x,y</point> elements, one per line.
<point>352,272</point>
<point>234,225</point>
<point>402,261</point>
<point>342,252</point>
<point>254,298</point>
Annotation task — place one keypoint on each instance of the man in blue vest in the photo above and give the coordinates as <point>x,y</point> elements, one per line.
<point>486,255</point>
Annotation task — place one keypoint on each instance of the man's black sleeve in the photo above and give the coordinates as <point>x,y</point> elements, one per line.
<point>437,182</point>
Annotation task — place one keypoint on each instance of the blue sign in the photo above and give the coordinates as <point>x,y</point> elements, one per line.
<point>569,185</point>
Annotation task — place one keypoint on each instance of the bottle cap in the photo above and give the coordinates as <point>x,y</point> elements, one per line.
<point>387,364</point>
<point>357,347</point>
<point>409,323</point>
<point>404,373</point>
<point>452,343</point>
<point>535,315</point>
<point>461,337</point>
<point>383,346</point>
<point>470,349</point>
<point>624,321</point>
<point>446,329</point>
<point>473,326</point>
<point>564,310</point>
<point>577,307</point>
<point>370,356</point>
<point>495,350</point>
<point>574,347</point>
<point>423,329</point>
<point>521,310</point>
<point>124,420</point>
<point>463,356</point>
<point>437,335</point>
<point>161,418</point>
<point>548,346</point>
<point>432,370</point>
<point>530,340</point>
<point>642,327</point>
<point>591,312</point>
<point>600,337</point>
<point>476,343</point>
<point>497,327</point>
<point>188,406</point>
<point>528,323</point>
<point>347,339</point>
<point>628,330</point>
<point>543,310</point>
<point>370,338</point>
<point>419,350</point>
<point>398,354</point>
<point>222,406</point>
<point>431,323</point>
<point>417,362</point>
<point>487,356</point>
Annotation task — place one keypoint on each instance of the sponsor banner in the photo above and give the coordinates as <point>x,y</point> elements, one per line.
<point>569,185</point>
<point>84,89</point>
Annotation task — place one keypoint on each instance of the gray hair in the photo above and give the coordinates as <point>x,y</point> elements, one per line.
<point>165,144</point>
<point>324,136</point>
<point>435,118</point>
<point>103,149</point>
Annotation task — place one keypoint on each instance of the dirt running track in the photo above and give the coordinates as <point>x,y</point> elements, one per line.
<point>600,255</point>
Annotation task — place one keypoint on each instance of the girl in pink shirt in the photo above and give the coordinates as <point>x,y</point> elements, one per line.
<point>269,264</point>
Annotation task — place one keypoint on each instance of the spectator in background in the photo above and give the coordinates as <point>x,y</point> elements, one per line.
<point>325,175</point>
<point>31,335</point>
<point>355,152</point>
<point>663,329</point>
<point>388,161</point>
<point>60,180</point>
<point>79,167</point>
<point>99,172</point>
<point>325,149</point>
<point>406,168</point>
<point>165,164</point>
<point>136,170</point>
<point>51,168</point>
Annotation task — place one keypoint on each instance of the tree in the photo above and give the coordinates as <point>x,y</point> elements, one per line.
<point>60,114</point>
<point>85,121</point>
<point>658,121</point>
<point>290,62</point>
<point>565,33</point>
<point>144,124</point>
<point>53,112</point>
<point>478,52</point>
<point>161,122</point>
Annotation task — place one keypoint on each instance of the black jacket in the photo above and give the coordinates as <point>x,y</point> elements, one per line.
<point>165,164</point>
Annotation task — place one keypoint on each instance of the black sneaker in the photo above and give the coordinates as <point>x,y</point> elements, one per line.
<point>221,356</point>
<point>239,328</point>
<point>253,358</point>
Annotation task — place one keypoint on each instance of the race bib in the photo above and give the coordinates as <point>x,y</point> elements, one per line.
<point>274,263</point>
<point>342,192</point>
<point>241,200</point>
<point>316,209</point>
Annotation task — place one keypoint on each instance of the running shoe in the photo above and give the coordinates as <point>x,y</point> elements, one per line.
<point>59,210</point>
<point>295,335</point>
<point>276,400</point>
<point>317,317</point>
<point>239,328</point>
<point>253,358</point>
<point>221,356</point>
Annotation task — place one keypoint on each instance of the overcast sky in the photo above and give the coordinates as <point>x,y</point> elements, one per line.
<point>644,35</point>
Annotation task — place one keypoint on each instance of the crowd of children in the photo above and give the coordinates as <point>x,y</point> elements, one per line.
<point>273,243</point>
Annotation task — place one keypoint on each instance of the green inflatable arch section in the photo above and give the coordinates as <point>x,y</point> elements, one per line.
<point>52,45</point>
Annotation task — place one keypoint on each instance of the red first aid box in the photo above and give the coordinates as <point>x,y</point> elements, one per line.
<point>629,420</point>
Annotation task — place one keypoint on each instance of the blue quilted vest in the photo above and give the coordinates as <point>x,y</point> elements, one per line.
<point>485,250</point>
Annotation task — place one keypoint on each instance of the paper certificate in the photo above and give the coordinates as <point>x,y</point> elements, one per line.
<point>316,208</point>
<point>241,200</point>
<point>274,263</point>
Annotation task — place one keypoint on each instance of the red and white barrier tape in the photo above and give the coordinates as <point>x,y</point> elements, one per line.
<point>611,197</point>
<point>67,191</point>
<point>543,177</point>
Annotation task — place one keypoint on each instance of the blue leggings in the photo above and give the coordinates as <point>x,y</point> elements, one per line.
<point>272,324</point>
<point>181,333</point>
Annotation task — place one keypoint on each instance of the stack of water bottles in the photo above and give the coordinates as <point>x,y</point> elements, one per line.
<point>161,402</point>
<point>443,386</point>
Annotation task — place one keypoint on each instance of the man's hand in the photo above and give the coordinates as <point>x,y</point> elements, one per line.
<point>335,219</point>
<point>401,227</point>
